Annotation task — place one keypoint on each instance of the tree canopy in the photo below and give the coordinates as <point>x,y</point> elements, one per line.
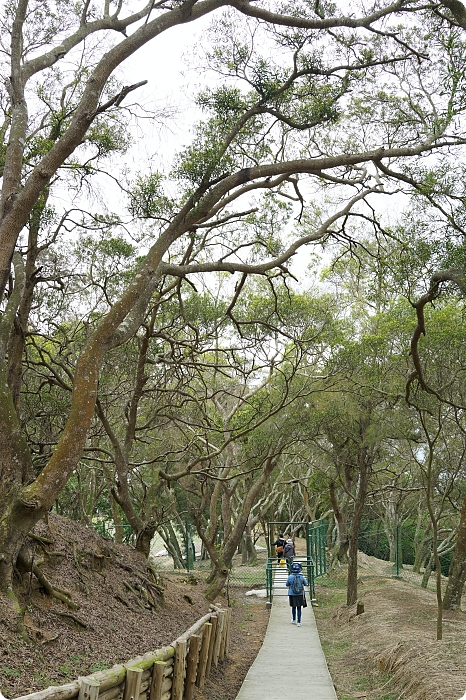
<point>166,335</point>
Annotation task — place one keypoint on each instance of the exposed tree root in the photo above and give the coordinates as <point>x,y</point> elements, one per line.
<point>79,568</point>
<point>136,595</point>
<point>155,586</point>
<point>58,593</point>
<point>70,616</point>
<point>41,540</point>
<point>123,601</point>
<point>19,614</point>
<point>26,563</point>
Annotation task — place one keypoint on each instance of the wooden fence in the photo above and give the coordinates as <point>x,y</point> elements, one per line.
<point>164,674</point>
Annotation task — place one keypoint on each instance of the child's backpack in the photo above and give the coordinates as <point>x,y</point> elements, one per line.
<point>297,585</point>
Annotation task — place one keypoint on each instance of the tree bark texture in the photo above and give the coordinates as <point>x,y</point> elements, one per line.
<point>457,572</point>
<point>365,460</point>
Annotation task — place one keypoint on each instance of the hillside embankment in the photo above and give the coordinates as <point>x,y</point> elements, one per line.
<point>390,651</point>
<point>118,608</point>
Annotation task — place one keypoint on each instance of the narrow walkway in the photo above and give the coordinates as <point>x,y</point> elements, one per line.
<point>291,660</point>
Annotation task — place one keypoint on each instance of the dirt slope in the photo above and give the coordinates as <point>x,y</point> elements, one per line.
<point>122,610</point>
<point>390,651</point>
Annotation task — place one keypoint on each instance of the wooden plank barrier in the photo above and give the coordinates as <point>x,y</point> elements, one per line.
<point>179,670</point>
<point>214,622</point>
<point>165,674</point>
<point>225,634</point>
<point>113,693</point>
<point>227,645</point>
<point>158,671</point>
<point>191,666</point>
<point>133,684</point>
<point>89,689</point>
<point>218,637</point>
<point>204,655</point>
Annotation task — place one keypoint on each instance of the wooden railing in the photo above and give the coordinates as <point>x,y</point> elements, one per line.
<point>164,674</point>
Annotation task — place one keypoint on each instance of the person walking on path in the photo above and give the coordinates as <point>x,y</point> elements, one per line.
<point>296,593</point>
<point>289,552</point>
<point>279,546</point>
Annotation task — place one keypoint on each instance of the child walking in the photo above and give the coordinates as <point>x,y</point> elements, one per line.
<point>296,593</point>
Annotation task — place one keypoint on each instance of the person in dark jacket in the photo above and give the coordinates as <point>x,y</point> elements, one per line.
<point>296,601</point>
<point>279,546</point>
<point>289,552</point>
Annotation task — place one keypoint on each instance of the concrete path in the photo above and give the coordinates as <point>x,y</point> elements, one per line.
<point>291,660</point>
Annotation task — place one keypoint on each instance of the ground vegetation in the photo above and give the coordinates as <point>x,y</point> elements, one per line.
<point>389,650</point>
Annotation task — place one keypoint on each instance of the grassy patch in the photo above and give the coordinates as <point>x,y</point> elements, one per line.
<point>11,671</point>
<point>390,650</point>
<point>100,666</point>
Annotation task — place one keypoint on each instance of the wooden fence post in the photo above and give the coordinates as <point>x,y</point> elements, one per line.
<point>133,684</point>
<point>157,680</point>
<point>227,647</point>
<point>214,622</point>
<point>191,667</point>
<point>167,682</point>
<point>218,636</point>
<point>225,633</point>
<point>179,670</point>
<point>204,654</point>
<point>89,689</point>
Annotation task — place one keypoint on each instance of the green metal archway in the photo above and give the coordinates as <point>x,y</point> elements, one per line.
<point>315,561</point>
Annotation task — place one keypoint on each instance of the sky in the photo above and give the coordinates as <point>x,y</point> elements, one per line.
<point>168,63</point>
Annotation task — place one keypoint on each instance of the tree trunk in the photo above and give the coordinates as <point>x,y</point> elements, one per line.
<point>222,556</point>
<point>421,543</point>
<point>421,553</point>
<point>248,550</point>
<point>18,335</point>
<point>340,550</point>
<point>352,581</point>
<point>16,516</point>
<point>427,571</point>
<point>217,583</point>
<point>173,546</point>
<point>392,546</point>
<point>389,523</point>
<point>457,571</point>
<point>117,520</point>
<point>144,538</point>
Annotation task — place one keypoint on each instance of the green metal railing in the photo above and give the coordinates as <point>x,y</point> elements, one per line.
<point>316,545</point>
<point>272,567</point>
<point>314,563</point>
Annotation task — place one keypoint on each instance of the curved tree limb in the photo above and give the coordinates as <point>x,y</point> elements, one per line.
<point>458,277</point>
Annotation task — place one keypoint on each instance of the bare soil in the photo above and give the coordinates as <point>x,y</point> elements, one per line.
<point>123,610</point>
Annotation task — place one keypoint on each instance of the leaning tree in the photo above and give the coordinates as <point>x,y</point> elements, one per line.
<point>339,103</point>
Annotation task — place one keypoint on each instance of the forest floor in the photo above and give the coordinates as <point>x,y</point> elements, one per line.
<point>121,615</point>
<point>388,652</point>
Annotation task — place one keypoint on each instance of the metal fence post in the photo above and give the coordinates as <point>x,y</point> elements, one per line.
<point>268,578</point>
<point>308,542</point>
<point>397,550</point>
